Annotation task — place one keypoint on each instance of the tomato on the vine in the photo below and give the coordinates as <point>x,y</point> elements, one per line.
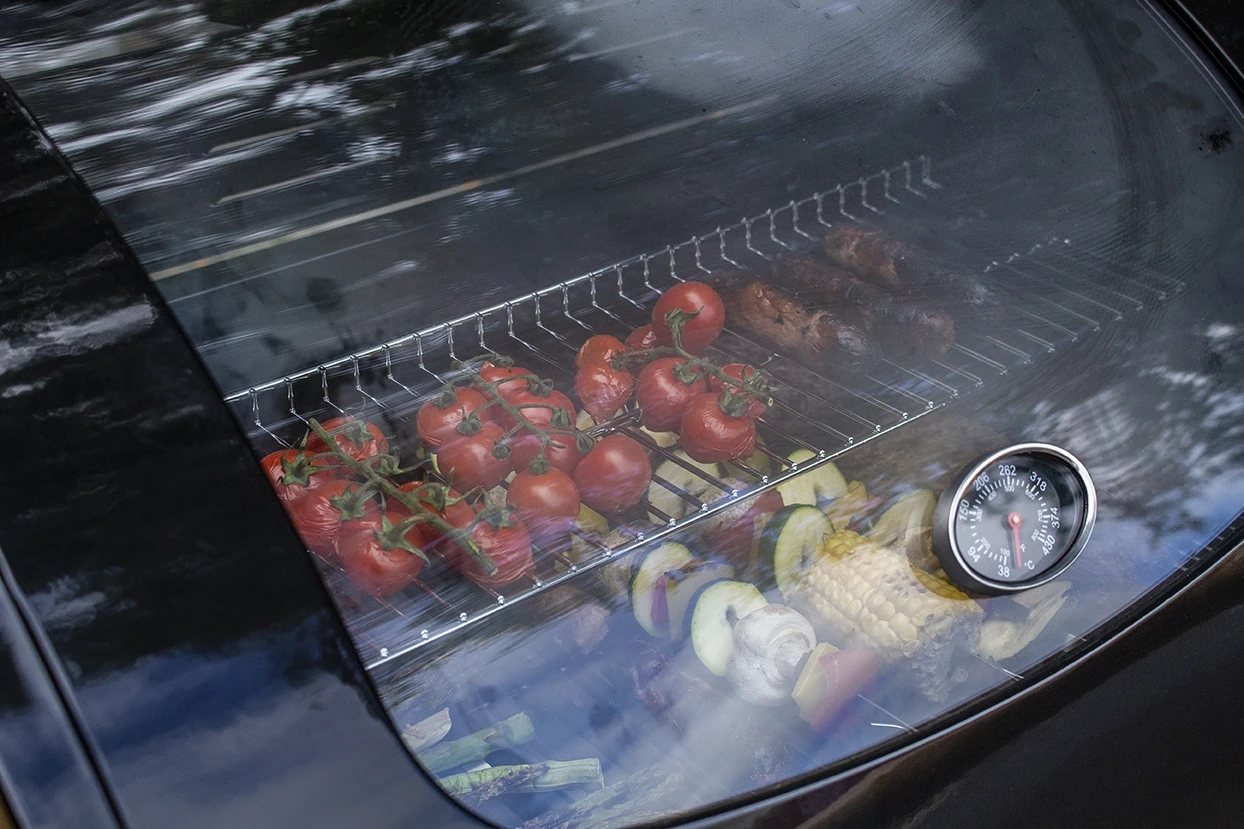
<point>548,503</point>
<point>318,515</point>
<point>377,561</point>
<point>613,476</point>
<point>507,543</point>
<point>641,338</point>
<point>740,372</point>
<point>357,438</point>
<point>599,348</point>
<point>690,298</point>
<point>562,451</point>
<point>470,461</point>
<point>540,407</point>
<point>603,389</point>
<point>666,387</point>
<point>438,419</point>
<point>710,435</point>
<point>500,374</point>
<point>293,473</point>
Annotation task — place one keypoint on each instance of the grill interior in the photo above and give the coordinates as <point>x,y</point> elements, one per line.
<point>1061,290</point>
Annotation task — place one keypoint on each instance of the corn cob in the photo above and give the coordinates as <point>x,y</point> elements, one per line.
<point>863,595</point>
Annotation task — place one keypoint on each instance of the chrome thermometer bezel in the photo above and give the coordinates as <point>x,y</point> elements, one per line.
<point>946,546</point>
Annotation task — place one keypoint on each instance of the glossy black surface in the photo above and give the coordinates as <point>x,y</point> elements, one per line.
<point>202,651</point>
<point>46,776</point>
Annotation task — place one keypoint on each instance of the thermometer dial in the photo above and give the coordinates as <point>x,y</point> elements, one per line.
<point>1014,518</point>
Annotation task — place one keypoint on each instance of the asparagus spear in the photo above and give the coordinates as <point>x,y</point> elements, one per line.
<point>472,748</point>
<point>475,786</point>
<point>616,805</point>
<point>427,732</point>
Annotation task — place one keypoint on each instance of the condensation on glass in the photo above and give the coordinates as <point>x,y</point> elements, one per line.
<point>348,208</point>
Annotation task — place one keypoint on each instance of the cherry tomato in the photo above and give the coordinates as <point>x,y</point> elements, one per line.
<point>438,418</point>
<point>535,407</point>
<point>508,547</point>
<point>614,475</point>
<point>599,348</point>
<point>548,503</point>
<point>469,461</point>
<point>357,438</point>
<point>739,372</point>
<point>710,435</point>
<point>319,515</point>
<point>493,373</point>
<point>293,473</point>
<point>691,297</point>
<point>561,453</point>
<point>641,338</point>
<point>603,389</point>
<point>373,560</point>
<point>663,396</point>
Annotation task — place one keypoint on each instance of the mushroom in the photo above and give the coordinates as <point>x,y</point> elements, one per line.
<point>770,646</point>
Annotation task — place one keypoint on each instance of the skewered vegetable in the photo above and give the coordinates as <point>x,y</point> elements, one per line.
<point>824,483</point>
<point>685,481</point>
<point>472,748</point>
<point>681,587</point>
<point>475,786</point>
<point>862,595</point>
<point>648,596</point>
<point>830,680</point>
<point>848,507</point>
<point>1004,635</point>
<point>790,542</point>
<point>714,612</point>
<point>908,527</point>
<point>770,645</point>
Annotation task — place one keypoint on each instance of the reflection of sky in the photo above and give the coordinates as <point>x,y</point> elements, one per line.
<point>233,755</point>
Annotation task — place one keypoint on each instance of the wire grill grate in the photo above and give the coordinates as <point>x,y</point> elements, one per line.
<point>1068,293</point>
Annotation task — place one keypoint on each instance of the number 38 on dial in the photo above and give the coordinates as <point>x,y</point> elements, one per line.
<point>1014,518</point>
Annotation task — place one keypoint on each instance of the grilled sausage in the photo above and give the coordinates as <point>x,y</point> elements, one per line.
<point>814,337</point>
<point>966,296</point>
<point>877,258</point>
<point>906,328</point>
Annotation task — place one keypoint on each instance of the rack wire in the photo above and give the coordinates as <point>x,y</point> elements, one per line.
<point>1067,293</point>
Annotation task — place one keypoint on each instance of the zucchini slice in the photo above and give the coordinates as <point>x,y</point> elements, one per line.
<point>714,612</point>
<point>648,595</point>
<point>789,541</point>
<point>825,483</point>
<point>671,503</point>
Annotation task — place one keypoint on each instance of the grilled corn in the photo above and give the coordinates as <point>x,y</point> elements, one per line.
<point>859,594</point>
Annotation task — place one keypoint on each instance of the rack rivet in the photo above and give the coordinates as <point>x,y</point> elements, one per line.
<point>501,600</point>
<point>539,582</point>
<point>384,651</point>
<point>423,634</point>
<point>462,617</point>
<point>574,568</point>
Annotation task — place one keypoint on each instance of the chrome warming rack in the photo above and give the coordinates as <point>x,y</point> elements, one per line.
<point>1068,293</point>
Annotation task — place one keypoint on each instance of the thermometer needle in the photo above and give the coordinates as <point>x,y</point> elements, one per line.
<point>1014,521</point>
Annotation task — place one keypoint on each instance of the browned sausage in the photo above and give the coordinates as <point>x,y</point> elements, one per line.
<point>877,258</point>
<point>816,338</point>
<point>905,327</point>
